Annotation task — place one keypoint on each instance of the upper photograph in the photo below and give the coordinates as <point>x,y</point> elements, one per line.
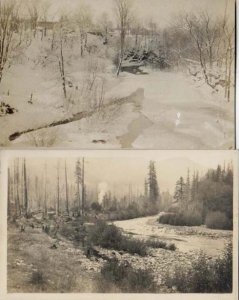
<point>117,74</point>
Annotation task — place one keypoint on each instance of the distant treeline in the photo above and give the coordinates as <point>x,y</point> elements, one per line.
<point>207,200</point>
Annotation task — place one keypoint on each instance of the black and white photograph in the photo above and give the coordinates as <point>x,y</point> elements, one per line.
<point>158,222</point>
<point>117,74</point>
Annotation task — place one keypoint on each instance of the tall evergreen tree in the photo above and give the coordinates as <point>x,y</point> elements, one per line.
<point>180,192</point>
<point>153,184</point>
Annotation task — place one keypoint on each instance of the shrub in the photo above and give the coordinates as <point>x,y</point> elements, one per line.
<point>128,279</point>
<point>181,219</point>
<point>96,207</point>
<point>153,243</point>
<point>171,247</point>
<point>218,220</point>
<point>110,236</point>
<point>204,275</point>
<point>133,246</point>
<point>224,271</point>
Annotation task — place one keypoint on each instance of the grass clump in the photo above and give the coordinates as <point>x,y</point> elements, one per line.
<point>129,280</point>
<point>153,243</point>
<point>110,236</point>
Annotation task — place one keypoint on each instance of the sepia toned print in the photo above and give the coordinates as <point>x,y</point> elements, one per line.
<point>112,74</point>
<point>153,223</point>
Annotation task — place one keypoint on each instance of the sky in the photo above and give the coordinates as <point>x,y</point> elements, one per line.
<point>116,170</point>
<point>161,11</point>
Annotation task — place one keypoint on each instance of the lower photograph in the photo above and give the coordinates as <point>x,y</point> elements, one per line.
<point>158,222</point>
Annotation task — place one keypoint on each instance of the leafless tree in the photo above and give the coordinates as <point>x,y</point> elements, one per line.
<point>8,15</point>
<point>16,185</point>
<point>136,30</point>
<point>196,28</point>
<point>45,190</point>
<point>25,188</point>
<point>83,187</point>
<point>44,8</point>
<point>61,60</point>
<point>84,22</point>
<point>33,10</point>
<point>67,194</point>
<point>58,189</point>
<point>228,31</point>
<point>105,25</point>
<point>78,174</point>
<point>123,10</point>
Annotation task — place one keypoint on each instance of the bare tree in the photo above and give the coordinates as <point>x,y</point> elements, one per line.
<point>78,174</point>
<point>25,188</point>
<point>8,13</point>
<point>83,187</point>
<point>58,189</point>
<point>61,56</point>
<point>105,25</point>
<point>9,193</point>
<point>136,30</point>
<point>228,31</point>
<point>196,30</point>
<point>37,193</point>
<point>123,9</point>
<point>45,6</point>
<point>33,10</point>
<point>16,184</point>
<point>84,23</point>
<point>45,187</point>
<point>67,195</point>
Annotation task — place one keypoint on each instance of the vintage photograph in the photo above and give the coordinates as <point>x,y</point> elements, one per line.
<point>113,74</point>
<point>153,223</point>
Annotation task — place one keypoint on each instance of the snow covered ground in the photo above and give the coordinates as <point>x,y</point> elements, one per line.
<point>176,112</point>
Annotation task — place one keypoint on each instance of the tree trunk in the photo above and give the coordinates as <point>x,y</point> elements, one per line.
<point>45,196</point>
<point>62,70</point>
<point>83,187</point>
<point>9,194</point>
<point>58,191</point>
<point>25,188</point>
<point>18,206</point>
<point>229,75</point>
<point>67,198</point>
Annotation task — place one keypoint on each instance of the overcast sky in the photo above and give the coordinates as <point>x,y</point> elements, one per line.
<point>161,11</point>
<point>115,170</point>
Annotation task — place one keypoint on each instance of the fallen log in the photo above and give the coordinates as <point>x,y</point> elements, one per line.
<point>138,94</point>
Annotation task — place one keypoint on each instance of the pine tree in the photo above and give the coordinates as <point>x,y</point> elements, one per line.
<point>153,184</point>
<point>180,192</point>
<point>219,173</point>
